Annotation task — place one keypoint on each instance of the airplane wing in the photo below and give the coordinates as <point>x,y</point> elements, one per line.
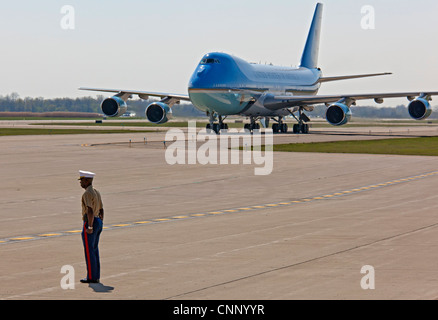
<point>142,94</point>
<point>276,102</point>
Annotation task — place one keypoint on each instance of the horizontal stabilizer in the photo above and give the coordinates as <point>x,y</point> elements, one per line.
<point>327,79</point>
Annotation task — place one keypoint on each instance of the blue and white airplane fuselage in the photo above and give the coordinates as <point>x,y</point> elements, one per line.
<point>229,85</point>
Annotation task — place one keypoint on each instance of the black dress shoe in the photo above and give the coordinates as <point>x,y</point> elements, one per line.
<point>86,280</point>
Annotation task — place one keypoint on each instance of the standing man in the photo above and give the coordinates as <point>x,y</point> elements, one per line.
<point>92,216</point>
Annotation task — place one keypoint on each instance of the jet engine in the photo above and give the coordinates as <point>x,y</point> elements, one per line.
<point>158,112</point>
<point>338,114</point>
<point>113,107</point>
<point>419,109</point>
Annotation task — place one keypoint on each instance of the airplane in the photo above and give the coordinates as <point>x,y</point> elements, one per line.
<point>224,85</point>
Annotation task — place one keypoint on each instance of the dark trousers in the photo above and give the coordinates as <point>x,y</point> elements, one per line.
<point>91,249</point>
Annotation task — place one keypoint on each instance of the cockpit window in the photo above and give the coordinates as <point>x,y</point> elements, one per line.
<point>209,61</point>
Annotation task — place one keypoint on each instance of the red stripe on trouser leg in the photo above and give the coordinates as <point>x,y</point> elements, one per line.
<point>87,252</point>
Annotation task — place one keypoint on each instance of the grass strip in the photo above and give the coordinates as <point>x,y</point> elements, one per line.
<point>32,131</point>
<point>424,146</point>
<point>183,124</point>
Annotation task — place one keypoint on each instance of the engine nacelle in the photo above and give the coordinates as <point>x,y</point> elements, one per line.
<point>338,114</point>
<point>113,107</point>
<point>419,109</point>
<point>158,112</point>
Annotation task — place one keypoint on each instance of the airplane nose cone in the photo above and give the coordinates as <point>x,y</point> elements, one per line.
<point>199,78</point>
<point>201,71</point>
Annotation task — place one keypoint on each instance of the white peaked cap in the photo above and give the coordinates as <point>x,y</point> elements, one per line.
<point>86,174</point>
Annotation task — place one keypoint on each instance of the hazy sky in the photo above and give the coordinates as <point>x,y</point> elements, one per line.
<point>156,45</point>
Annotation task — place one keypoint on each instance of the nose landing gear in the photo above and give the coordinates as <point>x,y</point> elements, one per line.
<point>217,127</point>
<point>253,125</point>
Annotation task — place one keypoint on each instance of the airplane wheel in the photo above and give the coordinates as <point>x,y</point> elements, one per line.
<point>283,127</point>
<point>305,128</point>
<point>216,128</point>
<point>296,128</point>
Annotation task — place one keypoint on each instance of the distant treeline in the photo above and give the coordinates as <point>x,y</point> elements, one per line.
<point>15,103</point>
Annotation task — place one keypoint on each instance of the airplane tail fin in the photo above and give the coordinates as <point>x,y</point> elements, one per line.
<point>311,50</point>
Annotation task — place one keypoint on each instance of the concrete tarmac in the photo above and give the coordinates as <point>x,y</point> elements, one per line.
<point>306,231</point>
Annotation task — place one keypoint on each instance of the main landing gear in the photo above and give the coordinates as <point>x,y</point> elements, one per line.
<point>279,127</point>
<point>301,126</point>
<point>217,127</point>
